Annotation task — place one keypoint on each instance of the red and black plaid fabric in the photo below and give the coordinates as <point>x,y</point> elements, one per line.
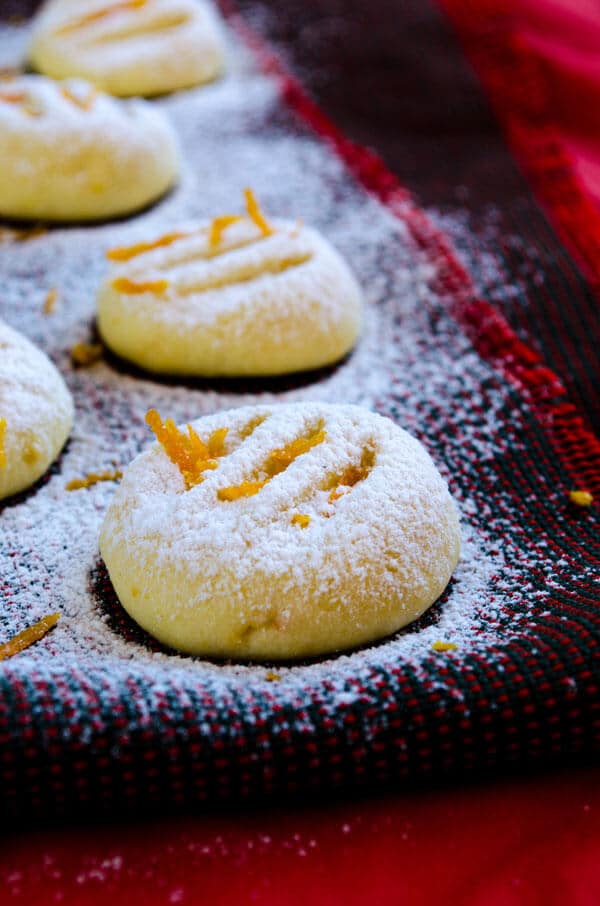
<point>87,740</point>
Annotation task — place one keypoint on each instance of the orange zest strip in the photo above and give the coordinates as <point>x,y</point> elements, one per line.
<point>84,103</point>
<point>581,498</point>
<point>301,519</point>
<point>126,253</point>
<point>76,484</point>
<point>216,442</point>
<point>443,646</point>
<point>2,450</point>
<point>26,103</point>
<point>277,462</point>
<point>218,227</point>
<point>187,451</point>
<point>245,489</point>
<point>280,459</point>
<point>28,636</point>
<point>349,477</point>
<point>13,97</point>
<point>83,354</point>
<point>255,213</point>
<point>88,18</point>
<point>50,301</point>
<point>131,287</point>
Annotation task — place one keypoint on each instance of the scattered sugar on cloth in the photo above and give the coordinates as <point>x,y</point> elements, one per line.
<point>96,677</point>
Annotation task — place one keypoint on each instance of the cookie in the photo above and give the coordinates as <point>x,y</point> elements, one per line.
<point>234,297</point>
<point>71,153</point>
<point>129,47</point>
<point>36,412</point>
<point>280,532</point>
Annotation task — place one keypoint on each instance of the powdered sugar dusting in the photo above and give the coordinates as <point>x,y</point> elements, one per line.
<point>412,364</point>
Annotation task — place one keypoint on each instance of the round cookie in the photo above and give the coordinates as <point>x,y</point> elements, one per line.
<point>36,412</point>
<point>71,153</point>
<point>235,297</point>
<point>280,532</point>
<point>128,47</point>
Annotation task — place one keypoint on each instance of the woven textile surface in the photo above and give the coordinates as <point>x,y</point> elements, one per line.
<point>97,715</point>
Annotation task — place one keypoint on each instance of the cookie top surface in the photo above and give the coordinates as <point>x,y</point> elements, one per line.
<point>238,295</point>
<point>72,152</point>
<point>36,412</point>
<point>129,47</point>
<point>344,467</point>
<point>40,107</point>
<point>280,531</point>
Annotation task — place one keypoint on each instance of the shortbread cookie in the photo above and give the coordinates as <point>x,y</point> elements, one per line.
<point>277,532</point>
<point>71,153</point>
<point>129,47</point>
<point>237,296</point>
<point>36,412</point>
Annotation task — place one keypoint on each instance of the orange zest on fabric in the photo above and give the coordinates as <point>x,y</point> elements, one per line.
<point>581,498</point>
<point>301,519</point>
<point>88,18</point>
<point>126,253</point>
<point>443,646</point>
<point>187,451</point>
<point>131,287</point>
<point>84,103</point>
<point>2,436</point>
<point>76,484</point>
<point>245,489</point>
<point>28,636</point>
<point>83,354</point>
<point>255,213</point>
<point>50,301</point>
<point>218,227</point>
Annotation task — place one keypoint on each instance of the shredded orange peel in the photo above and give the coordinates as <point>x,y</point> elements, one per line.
<point>188,452</point>
<point>349,477</point>
<point>301,519</point>
<point>127,252</point>
<point>2,436</point>
<point>88,18</point>
<point>76,484</point>
<point>22,98</point>
<point>581,498</point>
<point>50,301</point>
<point>84,103</point>
<point>28,636</point>
<point>132,287</point>
<point>443,646</point>
<point>277,462</point>
<point>83,354</point>
<point>216,231</point>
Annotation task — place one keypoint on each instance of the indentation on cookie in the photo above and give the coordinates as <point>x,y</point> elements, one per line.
<point>161,23</point>
<point>341,483</point>
<point>275,463</point>
<point>250,427</point>
<point>245,273</point>
<point>97,15</point>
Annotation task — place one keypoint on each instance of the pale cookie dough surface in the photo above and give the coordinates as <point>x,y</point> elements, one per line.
<point>69,152</point>
<point>37,410</point>
<point>354,539</point>
<point>253,305</point>
<point>129,47</point>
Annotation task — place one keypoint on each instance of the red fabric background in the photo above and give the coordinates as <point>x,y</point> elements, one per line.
<point>520,841</point>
